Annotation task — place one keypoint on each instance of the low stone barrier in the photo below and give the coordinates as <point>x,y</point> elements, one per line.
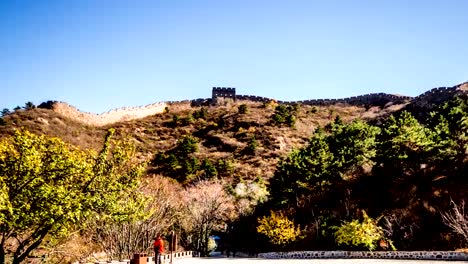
<point>165,258</point>
<point>422,255</point>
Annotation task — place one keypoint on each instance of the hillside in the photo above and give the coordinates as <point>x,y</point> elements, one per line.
<point>223,133</point>
<point>324,163</point>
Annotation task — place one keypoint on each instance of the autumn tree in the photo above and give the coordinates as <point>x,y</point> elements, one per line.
<point>49,188</point>
<point>160,209</point>
<point>207,208</point>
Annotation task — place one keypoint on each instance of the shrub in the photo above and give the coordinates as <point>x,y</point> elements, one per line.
<point>175,120</point>
<point>202,113</point>
<point>278,228</point>
<point>209,169</point>
<point>252,146</point>
<point>187,145</point>
<point>225,166</point>
<point>187,120</point>
<point>179,162</point>
<point>457,220</point>
<point>5,111</point>
<point>360,234</point>
<point>211,244</point>
<point>243,109</point>
<point>29,106</point>
<point>285,115</point>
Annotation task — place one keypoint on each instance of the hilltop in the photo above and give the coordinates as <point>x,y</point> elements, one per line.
<point>435,95</point>
<point>223,133</point>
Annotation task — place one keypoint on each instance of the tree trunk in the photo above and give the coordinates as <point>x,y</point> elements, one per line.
<point>2,254</point>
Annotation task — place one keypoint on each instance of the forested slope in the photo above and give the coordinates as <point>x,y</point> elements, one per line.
<point>287,176</point>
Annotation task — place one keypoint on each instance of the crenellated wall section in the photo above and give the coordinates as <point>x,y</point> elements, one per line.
<point>367,99</point>
<point>112,116</point>
<point>440,94</point>
<point>433,96</point>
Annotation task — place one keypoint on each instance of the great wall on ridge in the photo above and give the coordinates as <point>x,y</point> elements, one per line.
<point>433,96</point>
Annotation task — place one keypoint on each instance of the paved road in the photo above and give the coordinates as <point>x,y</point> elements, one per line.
<point>305,261</point>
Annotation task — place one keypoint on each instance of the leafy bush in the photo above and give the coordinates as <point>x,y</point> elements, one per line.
<point>225,166</point>
<point>179,162</point>
<point>360,234</point>
<point>252,146</point>
<point>202,113</point>
<point>285,115</point>
<point>5,111</point>
<point>243,109</point>
<point>187,120</point>
<point>29,106</point>
<point>278,228</point>
<point>209,169</point>
<point>211,244</point>
<point>187,145</point>
<point>175,120</point>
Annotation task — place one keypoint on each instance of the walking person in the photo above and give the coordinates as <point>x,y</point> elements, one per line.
<point>158,248</point>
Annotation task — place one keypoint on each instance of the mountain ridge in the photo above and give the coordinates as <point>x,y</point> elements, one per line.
<point>434,95</point>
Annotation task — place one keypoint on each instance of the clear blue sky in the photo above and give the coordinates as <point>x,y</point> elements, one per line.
<point>104,54</point>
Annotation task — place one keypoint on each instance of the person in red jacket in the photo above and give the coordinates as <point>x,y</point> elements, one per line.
<point>158,249</point>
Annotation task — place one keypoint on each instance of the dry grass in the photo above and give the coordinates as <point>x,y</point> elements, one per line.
<point>223,133</point>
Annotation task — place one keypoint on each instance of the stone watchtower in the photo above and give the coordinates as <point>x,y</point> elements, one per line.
<point>223,92</point>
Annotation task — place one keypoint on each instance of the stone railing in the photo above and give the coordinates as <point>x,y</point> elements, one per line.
<point>143,258</point>
<point>423,255</point>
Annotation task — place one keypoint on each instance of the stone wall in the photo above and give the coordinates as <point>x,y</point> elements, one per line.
<point>165,258</point>
<point>440,94</point>
<point>112,116</point>
<point>253,98</point>
<point>428,98</point>
<point>433,96</point>
<point>423,255</point>
<point>367,99</point>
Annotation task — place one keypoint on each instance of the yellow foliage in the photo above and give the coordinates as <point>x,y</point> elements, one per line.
<point>278,228</point>
<point>366,233</point>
